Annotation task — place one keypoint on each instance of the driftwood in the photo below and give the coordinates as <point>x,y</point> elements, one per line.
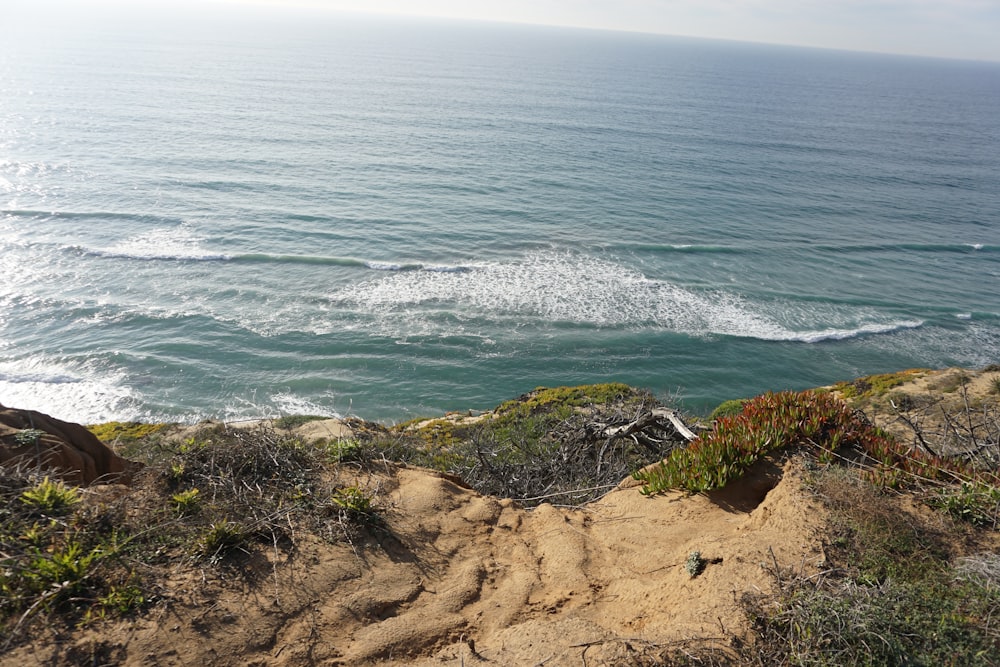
<point>653,418</point>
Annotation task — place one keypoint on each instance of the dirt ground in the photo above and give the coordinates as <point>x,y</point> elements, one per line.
<point>456,578</point>
<point>459,578</point>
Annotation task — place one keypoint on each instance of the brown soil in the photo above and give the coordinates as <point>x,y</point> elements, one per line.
<point>459,578</point>
<point>456,578</point>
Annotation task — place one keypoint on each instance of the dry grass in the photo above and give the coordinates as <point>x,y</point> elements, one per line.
<point>213,502</point>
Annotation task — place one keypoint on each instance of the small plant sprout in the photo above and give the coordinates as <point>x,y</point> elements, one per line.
<point>33,535</point>
<point>177,470</point>
<point>353,498</point>
<point>695,564</point>
<point>355,503</point>
<point>123,599</point>
<point>50,497</point>
<point>220,538</point>
<point>28,436</point>
<point>344,450</point>
<point>186,502</point>
<point>65,568</point>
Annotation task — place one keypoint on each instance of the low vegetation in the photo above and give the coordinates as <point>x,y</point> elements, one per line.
<point>814,420</point>
<point>550,445</point>
<point>209,501</point>
<point>876,385</point>
<point>903,586</point>
<point>897,590</point>
<point>906,583</point>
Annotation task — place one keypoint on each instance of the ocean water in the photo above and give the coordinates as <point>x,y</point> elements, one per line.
<point>253,213</point>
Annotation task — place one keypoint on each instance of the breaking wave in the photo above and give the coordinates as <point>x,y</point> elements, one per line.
<point>576,289</point>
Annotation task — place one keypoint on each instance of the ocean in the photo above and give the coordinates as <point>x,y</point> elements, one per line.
<point>251,213</point>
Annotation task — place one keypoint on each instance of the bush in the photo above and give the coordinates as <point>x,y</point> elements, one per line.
<point>186,502</point>
<point>356,505</point>
<point>81,560</point>
<point>728,408</point>
<point>547,445</point>
<point>221,538</point>
<point>810,419</point>
<point>50,497</point>
<point>975,502</point>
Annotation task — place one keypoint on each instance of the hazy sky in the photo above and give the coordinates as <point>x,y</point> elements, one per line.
<point>947,28</point>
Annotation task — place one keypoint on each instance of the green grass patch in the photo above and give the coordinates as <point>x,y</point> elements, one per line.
<point>124,432</point>
<point>873,386</point>
<point>294,421</point>
<point>546,399</point>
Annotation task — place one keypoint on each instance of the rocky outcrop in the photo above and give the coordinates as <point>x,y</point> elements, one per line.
<point>33,439</point>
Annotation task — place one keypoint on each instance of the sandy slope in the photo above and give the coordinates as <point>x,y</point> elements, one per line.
<point>467,579</point>
<point>462,579</point>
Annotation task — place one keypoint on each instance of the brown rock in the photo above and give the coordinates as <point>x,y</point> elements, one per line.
<point>70,449</point>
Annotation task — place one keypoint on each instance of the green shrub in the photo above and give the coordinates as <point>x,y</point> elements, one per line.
<point>50,497</point>
<point>770,422</point>
<point>728,408</point>
<point>123,599</point>
<point>186,502</point>
<point>344,450</point>
<point>976,502</point>
<point>356,504</point>
<point>695,564</point>
<point>221,538</point>
<point>64,570</point>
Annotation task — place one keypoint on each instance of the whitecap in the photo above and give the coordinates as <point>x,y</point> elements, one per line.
<point>444,268</point>
<point>384,266</point>
<point>164,243</point>
<point>844,334</point>
<point>557,287</point>
<point>288,403</point>
<point>279,404</point>
<point>87,392</point>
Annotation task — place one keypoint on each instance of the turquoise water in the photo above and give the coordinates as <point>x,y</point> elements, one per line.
<point>219,217</point>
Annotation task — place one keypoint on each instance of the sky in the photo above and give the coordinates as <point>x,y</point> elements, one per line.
<point>944,28</point>
<point>967,29</point>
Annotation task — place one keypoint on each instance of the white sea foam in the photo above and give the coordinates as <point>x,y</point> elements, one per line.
<point>555,287</point>
<point>275,405</point>
<point>179,242</point>
<point>292,404</point>
<point>843,334</point>
<point>977,346</point>
<point>383,266</point>
<point>86,393</point>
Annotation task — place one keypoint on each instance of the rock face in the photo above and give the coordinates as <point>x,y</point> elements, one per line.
<point>31,438</point>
